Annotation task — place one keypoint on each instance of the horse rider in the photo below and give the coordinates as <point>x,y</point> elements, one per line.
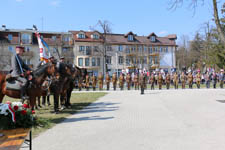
<point>18,67</point>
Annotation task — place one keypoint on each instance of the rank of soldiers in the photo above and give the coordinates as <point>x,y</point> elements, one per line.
<point>154,80</point>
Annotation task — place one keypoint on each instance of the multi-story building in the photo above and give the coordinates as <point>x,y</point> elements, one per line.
<point>60,44</point>
<point>93,50</point>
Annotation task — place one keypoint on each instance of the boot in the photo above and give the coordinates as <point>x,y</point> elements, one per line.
<point>23,95</point>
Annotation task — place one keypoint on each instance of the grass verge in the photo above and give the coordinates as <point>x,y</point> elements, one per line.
<point>48,119</point>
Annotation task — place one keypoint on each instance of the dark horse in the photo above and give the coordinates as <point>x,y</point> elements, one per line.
<point>34,90</point>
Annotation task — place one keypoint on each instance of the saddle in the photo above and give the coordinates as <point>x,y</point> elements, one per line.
<point>12,83</point>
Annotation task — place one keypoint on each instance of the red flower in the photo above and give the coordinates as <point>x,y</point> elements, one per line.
<point>23,112</point>
<point>8,102</point>
<point>25,106</point>
<point>33,111</point>
<point>15,108</point>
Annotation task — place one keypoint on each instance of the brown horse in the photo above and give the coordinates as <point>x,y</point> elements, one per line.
<point>34,90</point>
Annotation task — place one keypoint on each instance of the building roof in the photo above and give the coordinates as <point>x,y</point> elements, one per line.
<point>88,37</point>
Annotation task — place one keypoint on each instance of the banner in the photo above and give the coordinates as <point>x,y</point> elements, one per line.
<point>43,54</point>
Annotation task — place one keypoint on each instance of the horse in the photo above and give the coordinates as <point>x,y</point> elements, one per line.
<point>34,90</point>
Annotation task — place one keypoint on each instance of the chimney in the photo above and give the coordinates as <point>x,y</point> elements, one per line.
<point>4,27</point>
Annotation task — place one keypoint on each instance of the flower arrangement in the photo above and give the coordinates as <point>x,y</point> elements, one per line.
<point>16,115</point>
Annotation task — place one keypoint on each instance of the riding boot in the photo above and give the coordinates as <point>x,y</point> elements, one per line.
<point>48,100</point>
<point>23,95</point>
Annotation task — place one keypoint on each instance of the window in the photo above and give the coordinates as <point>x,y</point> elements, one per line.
<point>88,50</point>
<point>81,48</point>
<point>98,61</point>
<point>134,60</point>
<point>10,37</point>
<point>161,49</point>
<point>150,60</point>
<point>145,60</point>
<point>109,48</point>
<point>80,61</point>
<point>156,49</point>
<point>140,49</point>
<point>95,48</point>
<point>10,48</point>
<point>133,48</point>
<point>108,59</point>
<point>150,49</point>
<point>120,59</point>
<point>128,61</point>
<point>152,38</point>
<point>130,37</point>
<point>93,60</point>
<point>166,49</point>
<point>66,39</point>
<point>87,61</point>
<point>54,50</point>
<point>53,38</point>
<point>95,36</point>
<point>26,38</point>
<point>120,48</point>
<point>65,49</point>
<point>145,49</point>
<point>156,60</point>
<point>127,49</point>
<point>81,36</point>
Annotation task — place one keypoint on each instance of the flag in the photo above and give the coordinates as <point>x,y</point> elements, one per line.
<point>42,43</point>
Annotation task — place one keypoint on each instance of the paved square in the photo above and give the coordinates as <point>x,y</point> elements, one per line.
<point>159,120</point>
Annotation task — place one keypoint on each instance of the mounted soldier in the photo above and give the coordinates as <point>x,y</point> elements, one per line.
<point>18,71</point>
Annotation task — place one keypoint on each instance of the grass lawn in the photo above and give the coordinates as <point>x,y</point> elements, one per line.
<point>48,119</point>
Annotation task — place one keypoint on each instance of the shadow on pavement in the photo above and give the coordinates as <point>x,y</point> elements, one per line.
<point>221,101</point>
<point>86,119</point>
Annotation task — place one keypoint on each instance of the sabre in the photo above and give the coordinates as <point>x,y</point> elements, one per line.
<point>21,69</point>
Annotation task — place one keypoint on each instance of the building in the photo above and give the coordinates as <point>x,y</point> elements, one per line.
<point>93,50</point>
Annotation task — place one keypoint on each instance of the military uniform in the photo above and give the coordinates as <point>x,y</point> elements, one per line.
<point>128,80</point>
<point>214,80</point>
<point>221,79</point>
<point>94,82</point>
<point>80,83</point>
<point>87,82</point>
<point>175,81</point>
<point>136,82</point>
<point>121,81</point>
<point>114,81</point>
<point>198,80</point>
<point>183,80</point>
<point>190,80</point>
<point>100,81</point>
<point>168,81</point>
<point>152,81</point>
<point>160,80</point>
<point>107,80</point>
<point>142,82</point>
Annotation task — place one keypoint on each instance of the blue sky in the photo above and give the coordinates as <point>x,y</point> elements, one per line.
<point>140,16</point>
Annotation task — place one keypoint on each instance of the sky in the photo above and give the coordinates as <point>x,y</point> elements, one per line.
<point>142,17</point>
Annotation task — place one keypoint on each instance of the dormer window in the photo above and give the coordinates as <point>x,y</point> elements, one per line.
<point>81,36</point>
<point>95,36</point>
<point>152,38</point>
<point>130,37</point>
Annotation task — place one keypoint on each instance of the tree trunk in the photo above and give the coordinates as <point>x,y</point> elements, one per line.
<point>217,21</point>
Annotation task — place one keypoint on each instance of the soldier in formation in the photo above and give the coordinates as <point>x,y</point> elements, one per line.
<point>87,82</point>
<point>183,80</point>
<point>100,81</point>
<point>160,81</point>
<point>190,80</point>
<point>107,81</point>
<point>136,82</point>
<point>128,80</point>
<point>114,81</point>
<point>175,80</point>
<point>94,82</point>
<point>142,82</point>
<point>121,81</point>
<point>152,81</point>
<point>198,79</point>
<point>168,81</point>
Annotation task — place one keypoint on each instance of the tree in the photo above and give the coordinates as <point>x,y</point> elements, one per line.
<point>103,27</point>
<point>193,5</point>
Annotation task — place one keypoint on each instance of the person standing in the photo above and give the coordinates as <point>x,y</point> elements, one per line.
<point>198,79</point>
<point>128,80</point>
<point>114,80</point>
<point>107,80</point>
<point>183,80</point>
<point>100,81</point>
<point>221,78</point>
<point>207,80</point>
<point>167,81</point>
<point>18,67</point>
<point>142,82</point>
<point>190,80</point>
<point>94,81</point>
<point>121,81</point>
<point>136,82</point>
<point>152,81</point>
<point>160,80</point>
<point>175,80</point>
<point>214,79</point>
<point>87,82</point>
